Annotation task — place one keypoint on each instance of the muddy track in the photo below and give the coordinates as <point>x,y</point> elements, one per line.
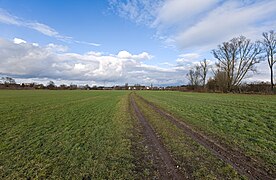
<point>163,161</point>
<point>242,163</point>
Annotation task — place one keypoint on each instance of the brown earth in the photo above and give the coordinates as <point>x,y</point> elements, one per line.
<point>245,165</point>
<point>162,160</point>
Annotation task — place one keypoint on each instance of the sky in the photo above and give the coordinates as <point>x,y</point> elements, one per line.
<point>113,42</point>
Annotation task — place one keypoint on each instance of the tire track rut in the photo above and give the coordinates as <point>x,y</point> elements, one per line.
<point>164,162</point>
<point>243,164</point>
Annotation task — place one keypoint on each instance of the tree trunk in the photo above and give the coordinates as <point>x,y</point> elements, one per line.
<point>271,76</point>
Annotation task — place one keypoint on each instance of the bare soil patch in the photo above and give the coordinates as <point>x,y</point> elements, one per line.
<point>162,159</point>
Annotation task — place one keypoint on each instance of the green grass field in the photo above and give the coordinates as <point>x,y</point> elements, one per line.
<point>194,160</point>
<point>247,122</point>
<point>62,134</point>
<point>92,134</point>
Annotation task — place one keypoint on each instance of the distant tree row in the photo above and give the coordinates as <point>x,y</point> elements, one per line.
<point>7,80</point>
<point>235,59</point>
<point>9,83</point>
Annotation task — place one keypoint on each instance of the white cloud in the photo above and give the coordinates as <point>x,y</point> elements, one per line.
<point>262,74</point>
<point>44,29</point>
<point>198,24</point>
<point>55,48</point>
<point>187,61</point>
<point>175,11</point>
<point>26,61</point>
<point>192,56</point>
<point>87,43</point>
<point>18,41</point>
<point>127,55</point>
<point>167,64</point>
<point>8,18</point>
<point>79,66</point>
<point>225,22</point>
<point>41,63</point>
<point>139,11</point>
<point>124,55</point>
<point>92,53</point>
<point>35,44</point>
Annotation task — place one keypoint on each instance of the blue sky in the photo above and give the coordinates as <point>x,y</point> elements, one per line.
<point>122,41</point>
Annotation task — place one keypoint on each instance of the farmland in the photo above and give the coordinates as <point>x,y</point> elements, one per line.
<point>245,122</point>
<point>62,134</point>
<point>124,135</point>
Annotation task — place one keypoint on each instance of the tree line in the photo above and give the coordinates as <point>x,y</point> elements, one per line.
<point>235,59</point>
<point>10,83</point>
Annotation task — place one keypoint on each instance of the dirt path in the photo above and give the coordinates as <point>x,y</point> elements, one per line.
<point>243,164</point>
<point>163,161</point>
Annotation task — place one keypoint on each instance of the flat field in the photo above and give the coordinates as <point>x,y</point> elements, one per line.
<point>64,134</point>
<point>244,122</point>
<point>120,135</point>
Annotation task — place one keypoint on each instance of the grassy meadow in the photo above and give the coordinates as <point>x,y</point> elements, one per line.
<point>62,134</point>
<point>194,160</point>
<point>247,122</point>
<point>91,134</point>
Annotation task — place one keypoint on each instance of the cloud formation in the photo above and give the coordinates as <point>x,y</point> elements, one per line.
<point>18,41</point>
<point>127,55</point>
<point>24,60</point>
<point>7,18</point>
<point>180,11</point>
<point>200,24</point>
<point>229,20</point>
<point>21,59</point>
<point>140,11</point>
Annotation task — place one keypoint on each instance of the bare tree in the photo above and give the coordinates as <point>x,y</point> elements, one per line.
<point>204,67</point>
<point>236,58</point>
<point>51,85</point>
<point>269,46</point>
<point>193,76</point>
<point>8,80</point>
<point>197,74</point>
